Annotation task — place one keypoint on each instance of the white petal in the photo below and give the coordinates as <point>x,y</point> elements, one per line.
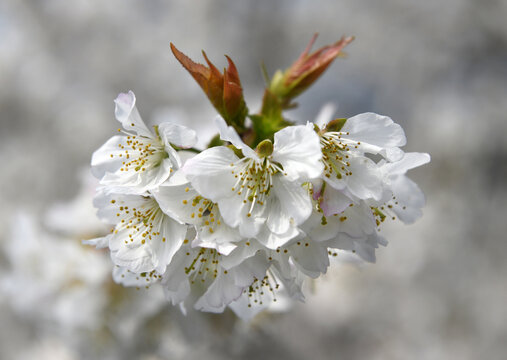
<point>343,242</point>
<point>297,148</point>
<point>325,232</point>
<point>99,243</point>
<point>232,210</point>
<point>280,261</point>
<point>294,199</point>
<point>366,249</point>
<point>229,284</point>
<point>135,257</point>
<point>103,162</point>
<point>178,135</point>
<point>409,161</point>
<point>173,156</point>
<point>175,280</point>
<point>217,236</point>
<point>219,294</point>
<point>278,220</point>
<point>173,233</point>
<point>319,230</point>
<point>177,178</point>
<point>108,204</point>
<point>273,241</point>
<point>356,221</point>
<point>244,309</point>
<point>250,226</point>
<point>175,200</point>
<point>313,221</point>
<point>375,132</point>
<point>223,244</point>
<point>252,268</point>
<point>126,277</point>
<point>365,181</point>
<point>393,154</point>
<point>185,155</point>
<point>311,257</point>
<point>224,248</point>
<point>364,246</point>
<point>203,305</point>
<point>126,113</point>
<point>228,133</point>
<point>334,201</point>
<point>235,214</point>
<point>292,283</point>
<point>240,254</point>
<point>137,182</point>
<point>409,199</point>
<point>210,172</point>
<point>359,220</point>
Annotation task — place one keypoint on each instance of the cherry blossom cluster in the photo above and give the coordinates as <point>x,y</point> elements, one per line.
<point>244,222</point>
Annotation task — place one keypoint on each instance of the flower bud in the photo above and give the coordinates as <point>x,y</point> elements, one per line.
<point>306,69</point>
<point>223,90</point>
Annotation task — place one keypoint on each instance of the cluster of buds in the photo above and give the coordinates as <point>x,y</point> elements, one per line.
<point>267,204</point>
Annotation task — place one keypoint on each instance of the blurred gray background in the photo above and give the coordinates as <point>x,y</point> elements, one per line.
<point>438,291</point>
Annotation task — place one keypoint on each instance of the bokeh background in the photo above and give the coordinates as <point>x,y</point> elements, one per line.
<point>437,291</point>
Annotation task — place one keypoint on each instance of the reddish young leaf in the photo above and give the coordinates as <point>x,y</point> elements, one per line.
<point>223,90</point>
<point>307,68</point>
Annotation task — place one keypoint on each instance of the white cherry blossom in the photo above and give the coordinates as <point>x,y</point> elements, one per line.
<point>402,198</point>
<point>263,186</point>
<point>353,229</point>
<point>144,238</point>
<point>272,293</point>
<point>139,159</point>
<point>242,227</point>
<point>211,281</point>
<point>345,143</point>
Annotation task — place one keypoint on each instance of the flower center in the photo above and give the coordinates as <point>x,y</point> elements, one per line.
<point>141,153</point>
<point>335,154</point>
<point>203,266</point>
<point>262,290</point>
<point>140,224</point>
<point>385,211</point>
<point>254,181</point>
<point>205,210</point>
<point>150,277</point>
